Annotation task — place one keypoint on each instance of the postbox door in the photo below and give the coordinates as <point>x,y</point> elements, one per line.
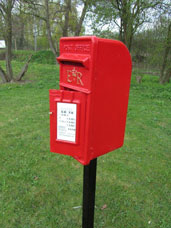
<point>67,122</point>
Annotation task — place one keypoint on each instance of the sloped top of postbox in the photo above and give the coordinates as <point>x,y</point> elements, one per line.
<point>78,38</point>
<point>77,45</point>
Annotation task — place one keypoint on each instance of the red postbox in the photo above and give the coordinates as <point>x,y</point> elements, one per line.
<point>88,113</point>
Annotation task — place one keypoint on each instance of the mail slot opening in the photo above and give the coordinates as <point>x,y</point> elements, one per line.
<point>72,63</point>
<point>68,89</point>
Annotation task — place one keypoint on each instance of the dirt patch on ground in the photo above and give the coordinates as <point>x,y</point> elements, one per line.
<point>18,82</point>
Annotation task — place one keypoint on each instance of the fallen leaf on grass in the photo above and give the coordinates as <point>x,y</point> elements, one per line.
<point>104,207</point>
<point>77,207</point>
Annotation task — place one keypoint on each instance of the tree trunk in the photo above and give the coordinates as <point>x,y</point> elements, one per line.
<point>21,39</point>
<point>164,77</point>
<point>130,39</point>
<point>6,7</point>
<point>3,75</point>
<point>126,26</point>
<point>48,28</point>
<point>121,31</point>
<point>15,42</point>
<point>167,76</point>
<point>22,27</point>
<point>9,41</point>
<point>127,35</point>
<point>68,9</point>
<point>80,22</point>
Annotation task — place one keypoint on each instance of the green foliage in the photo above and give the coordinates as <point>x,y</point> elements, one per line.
<point>149,46</point>
<point>42,42</point>
<point>21,55</point>
<point>44,56</point>
<point>39,189</point>
<point>106,34</point>
<point>127,16</point>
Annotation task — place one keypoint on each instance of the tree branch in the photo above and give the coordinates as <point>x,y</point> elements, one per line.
<point>58,11</point>
<point>33,4</point>
<point>3,75</point>
<point>118,5</point>
<point>24,70</point>
<point>2,10</point>
<point>83,13</point>
<point>13,2</point>
<point>34,14</point>
<point>2,13</point>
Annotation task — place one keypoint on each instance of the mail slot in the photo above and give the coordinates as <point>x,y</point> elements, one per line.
<point>88,112</point>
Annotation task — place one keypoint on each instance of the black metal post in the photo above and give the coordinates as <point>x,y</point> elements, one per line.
<point>89,189</point>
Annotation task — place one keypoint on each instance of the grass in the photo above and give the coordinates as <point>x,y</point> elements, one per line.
<point>39,189</point>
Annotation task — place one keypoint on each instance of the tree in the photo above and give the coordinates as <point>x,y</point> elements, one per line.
<point>86,5</point>
<point>6,13</point>
<point>58,16</point>
<point>19,21</point>
<point>73,21</point>
<point>66,21</point>
<point>46,11</point>
<point>127,15</point>
<point>164,17</point>
<point>165,74</point>
<point>6,7</point>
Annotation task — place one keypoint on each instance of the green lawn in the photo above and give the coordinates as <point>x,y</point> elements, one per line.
<point>39,189</point>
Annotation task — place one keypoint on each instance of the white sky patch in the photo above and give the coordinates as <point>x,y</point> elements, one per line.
<point>2,44</point>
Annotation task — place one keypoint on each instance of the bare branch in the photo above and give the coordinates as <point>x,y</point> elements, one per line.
<point>13,2</point>
<point>118,4</point>
<point>83,13</point>
<point>3,75</point>
<point>36,15</point>
<point>57,11</point>
<point>24,70</point>
<point>33,3</point>
<point>2,12</point>
<point>3,7</point>
<point>116,24</point>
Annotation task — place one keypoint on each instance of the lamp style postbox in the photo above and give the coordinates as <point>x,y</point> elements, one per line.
<point>88,112</point>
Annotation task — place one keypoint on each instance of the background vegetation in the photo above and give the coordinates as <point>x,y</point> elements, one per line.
<point>143,25</point>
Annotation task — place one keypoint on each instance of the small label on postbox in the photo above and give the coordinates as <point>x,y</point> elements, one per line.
<point>66,121</point>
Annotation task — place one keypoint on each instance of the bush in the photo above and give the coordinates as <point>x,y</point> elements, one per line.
<point>42,57</point>
<point>45,57</point>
